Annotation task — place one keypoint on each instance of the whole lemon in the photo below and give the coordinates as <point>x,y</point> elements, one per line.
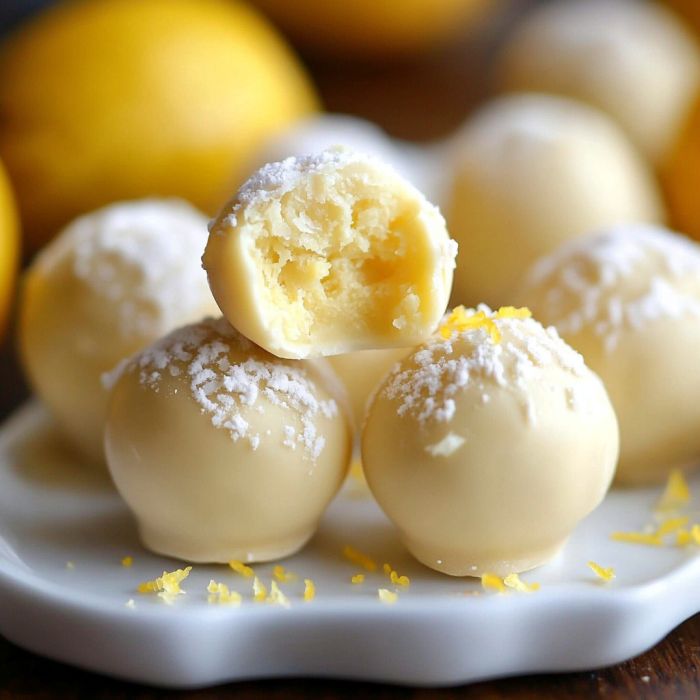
<point>9,248</point>
<point>680,176</point>
<point>370,28</point>
<point>688,9</point>
<point>116,99</point>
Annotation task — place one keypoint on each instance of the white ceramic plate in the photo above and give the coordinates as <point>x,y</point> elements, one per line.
<point>53,511</point>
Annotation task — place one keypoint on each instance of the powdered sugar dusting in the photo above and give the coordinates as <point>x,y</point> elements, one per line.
<point>441,369</point>
<point>143,258</point>
<point>274,180</point>
<point>625,278</point>
<point>224,389</point>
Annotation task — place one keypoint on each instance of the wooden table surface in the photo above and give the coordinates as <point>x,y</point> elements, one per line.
<point>420,100</point>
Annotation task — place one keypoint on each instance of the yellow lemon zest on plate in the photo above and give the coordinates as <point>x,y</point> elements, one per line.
<point>282,575</point>
<point>683,538</point>
<point>127,561</point>
<point>309,590</point>
<point>357,557</point>
<point>240,568</point>
<point>461,320</point>
<point>357,578</point>
<point>259,590</point>
<point>399,580</point>
<point>606,574</point>
<point>695,533</point>
<point>167,586</point>
<point>387,596</point>
<point>277,597</point>
<point>220,593</point>
<point>676,494</point>
<point>387,569</point>
<point>516,583</point>
<point>651,539</point>
<point>493,582</point>
<point>671,525</point>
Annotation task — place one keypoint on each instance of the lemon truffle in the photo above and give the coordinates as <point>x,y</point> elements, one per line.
<point>501,441</point>
<point>629,300</point>
<point>530,172</point>
<point>110,284</point>
<point>634,60</point>
<point>330,253</point>
<point>223,451</point>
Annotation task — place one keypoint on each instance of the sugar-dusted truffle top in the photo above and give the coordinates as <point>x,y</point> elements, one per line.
<point>228,377</point>
<point>274,180</point>
<point>627,277</point>
<point>142,259</point>
<point>486,349</point>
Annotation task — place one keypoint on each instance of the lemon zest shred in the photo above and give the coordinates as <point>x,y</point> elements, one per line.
<point>695,533</point>
<point>399,580</point>
<point>167,586</point>
<point>220,593</point>
<point>282,575</point>
<point>277,597</point>
<point>127,561</point>
<point>386,596</point>
<point>493,582</point>
<point>671,525</point>
<point>357,557</point>
<point>460,321</point>
<point>604,573</point>
<point>259,590</point>
<point>676,494</point>
<point>516,583</point>
<point>240,568</point>
<point>683,538</point>
<point>357,578</point>
<point>387,569</point>
<point>309,590</point>
<point>651,539</point>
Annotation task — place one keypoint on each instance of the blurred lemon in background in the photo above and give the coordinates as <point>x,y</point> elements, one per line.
<point>113,99</point>
<point>688,9</point>
<point>680,176</point>
<point>9,249</point>
<point>371,28</point>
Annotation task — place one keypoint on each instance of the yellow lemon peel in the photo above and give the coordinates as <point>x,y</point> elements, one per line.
<point>461,320</point>
<point>387,596</point>
<point>309,590</point>
<point>493,582</point>
<point>357,557</point>
<point>240,568</point>
<point>647,538</point>
<point>167,586</point>
<point>127,561</point>
<point>358,578</point>
<point>606,574</point>
<point>220,593</point>
<point>516,583</point>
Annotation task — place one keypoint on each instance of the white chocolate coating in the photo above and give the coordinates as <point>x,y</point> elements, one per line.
<point>496,450</point>
<point>634,60</point>
<point>109,284</point>
<point>629,301</point>
<point>533,171</point>
<point>223,451</point>
<point>328,254</point>
<point>361,372</point>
